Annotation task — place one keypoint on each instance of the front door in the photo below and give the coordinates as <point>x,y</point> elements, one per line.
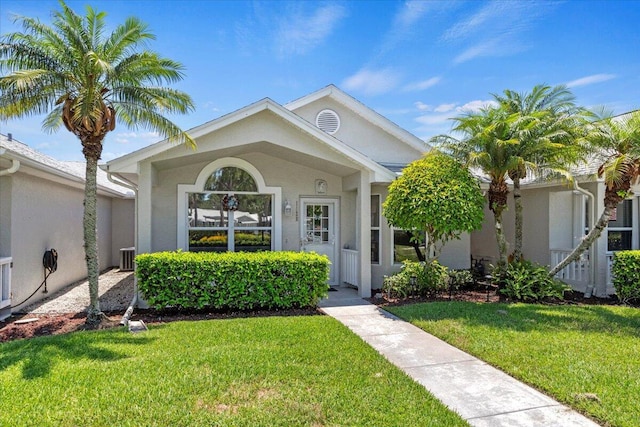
<point>319,227</point>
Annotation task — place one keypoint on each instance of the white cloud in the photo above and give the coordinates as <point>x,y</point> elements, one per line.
<point>409,16</point>
<point>372,82</point>
<point>589,80</point>
<point>433,119</point>
<point>439,119</point>
<point>444,108</point>
<point>411,13</point>
<point>421,85</point>
<point>465,28</point>
<point>298,33</point>
<point>136,138</point>
<point>496,29</point>
<point>487,48</point>
<point>422,106</point>
<point>475,106</point>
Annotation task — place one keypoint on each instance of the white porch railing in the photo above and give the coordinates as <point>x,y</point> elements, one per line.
<point>350,264</point>
<point>5,287</point>
<point>575,273</point>
<point>609,274</point>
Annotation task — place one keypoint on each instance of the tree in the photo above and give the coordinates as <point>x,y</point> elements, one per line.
<point>436,195</point>
<point>485,144</point>
<point>545,125</point>
<point>617,143</point>
<point>87,81</point>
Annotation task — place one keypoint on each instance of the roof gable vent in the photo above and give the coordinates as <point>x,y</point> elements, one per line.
<point>328,121</point>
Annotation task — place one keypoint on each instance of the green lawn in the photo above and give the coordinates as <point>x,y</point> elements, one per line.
<point>585,356</point>
<point>274,371</point>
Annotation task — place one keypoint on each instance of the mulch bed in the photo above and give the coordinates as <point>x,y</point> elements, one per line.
<point>54,324</point>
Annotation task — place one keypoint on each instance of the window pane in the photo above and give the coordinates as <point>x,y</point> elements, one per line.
<point>253,211</point>
<point>375,246</point>
<point>208,240</point>
<point>375,211</point>
<point>205,210</point>
<point>619,240</point>
<point>252,241</point>
<point>403,248</point>
<point>622,215</point>
<point>230,179</point>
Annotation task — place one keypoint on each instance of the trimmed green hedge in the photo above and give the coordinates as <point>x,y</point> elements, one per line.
<point>626,275</point>
<point>232,280</point>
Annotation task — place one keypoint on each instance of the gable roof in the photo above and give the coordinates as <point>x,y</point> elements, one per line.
<point>363,111</point>
<point>73,172</point>
<point>128,162</point>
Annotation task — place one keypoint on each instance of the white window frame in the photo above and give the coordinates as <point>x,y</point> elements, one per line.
<point>633,228</point>
<point>393,246</point>
<point>378,228</point>
<point>198,187</point>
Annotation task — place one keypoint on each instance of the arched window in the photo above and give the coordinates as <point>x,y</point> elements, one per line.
<point>229,209</point>
<point>230,179</point>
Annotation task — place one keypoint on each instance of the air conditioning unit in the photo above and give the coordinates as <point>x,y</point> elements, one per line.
<point>127,257</point>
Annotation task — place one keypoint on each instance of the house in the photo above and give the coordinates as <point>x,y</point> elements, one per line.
<point>41,208</point>
<point>310,175</point>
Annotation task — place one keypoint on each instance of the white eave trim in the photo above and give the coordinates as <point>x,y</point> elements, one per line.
<point>46,172</point>
<point>128,163</point>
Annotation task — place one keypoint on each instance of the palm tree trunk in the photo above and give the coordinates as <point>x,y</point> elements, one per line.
<point>588,240</point>
<point>90,223</point>
<point>503,246</point>
<point>517,246</point>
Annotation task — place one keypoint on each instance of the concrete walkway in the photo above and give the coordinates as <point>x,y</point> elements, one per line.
<point>480,393</point>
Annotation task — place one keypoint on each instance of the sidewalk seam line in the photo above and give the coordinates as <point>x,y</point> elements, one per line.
<point>514,412</point>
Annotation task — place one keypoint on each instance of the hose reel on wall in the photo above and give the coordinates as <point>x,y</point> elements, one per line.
<point>50,265</point>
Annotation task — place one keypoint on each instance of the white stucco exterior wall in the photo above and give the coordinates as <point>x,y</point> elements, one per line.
<point>122,227</point>
<point>361,134</point>
<point>47,215</point>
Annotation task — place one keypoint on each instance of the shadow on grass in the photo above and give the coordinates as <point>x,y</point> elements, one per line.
<point>529,317</point>
<point>39,356</point>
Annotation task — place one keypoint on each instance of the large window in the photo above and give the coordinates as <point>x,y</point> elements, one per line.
<point>375,229</point>
<point>620,228</point>
<point>230,214</point>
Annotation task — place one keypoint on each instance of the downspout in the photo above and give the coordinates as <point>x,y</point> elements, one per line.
<point>131,186</point>
<point>15,165</point>
<point>592,264</point>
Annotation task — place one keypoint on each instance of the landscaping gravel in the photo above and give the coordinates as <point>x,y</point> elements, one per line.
<point>115,288</point>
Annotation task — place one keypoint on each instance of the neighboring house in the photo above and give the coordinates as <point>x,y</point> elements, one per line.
<point>310,175</point>
<point>41,208</point>
<point>557,216</point>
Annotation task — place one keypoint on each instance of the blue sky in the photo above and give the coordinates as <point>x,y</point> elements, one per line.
<point>419,63</point>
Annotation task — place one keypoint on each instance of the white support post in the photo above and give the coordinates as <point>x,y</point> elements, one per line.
<point>364,233</point>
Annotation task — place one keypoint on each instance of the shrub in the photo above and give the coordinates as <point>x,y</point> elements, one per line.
<point>232,280</point>
<point>626,275</point>
<point>460,278</point>
<point>526,281</point>
<point>430,278</point>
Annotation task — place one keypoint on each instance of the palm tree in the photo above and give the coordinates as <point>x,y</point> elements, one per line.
<point>545,124</point>
<point>486,144</point>
<point>617,142</point>
<point>87,81</point>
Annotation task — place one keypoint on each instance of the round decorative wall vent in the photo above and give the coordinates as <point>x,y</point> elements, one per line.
<point>328,121</point>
